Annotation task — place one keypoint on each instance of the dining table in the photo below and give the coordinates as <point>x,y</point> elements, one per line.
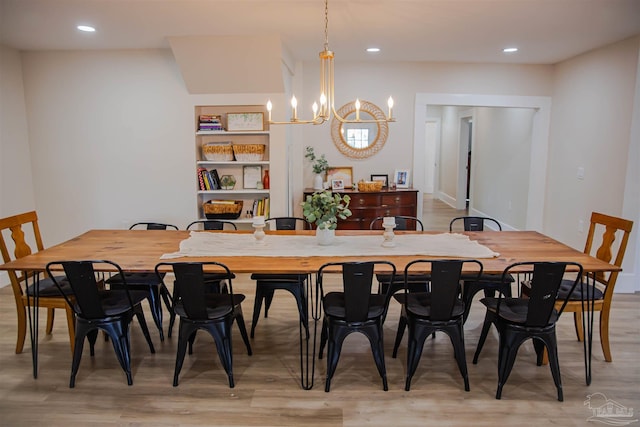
<point>296,251</point>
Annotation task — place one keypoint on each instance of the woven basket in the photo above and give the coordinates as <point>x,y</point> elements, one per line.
<point>369,186</point>
<point>218,152</point>
<point>248,152</point>
<point>222,209</point>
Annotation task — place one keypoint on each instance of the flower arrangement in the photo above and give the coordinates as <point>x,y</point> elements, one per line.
<point>319,164</point>
<point>324,208</point>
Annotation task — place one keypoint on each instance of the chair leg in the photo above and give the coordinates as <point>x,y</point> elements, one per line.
<point>549,342</point>
<point>221,333</point>
<point>375,335</point>
<point>577,322</point>
<point>51,314</point>
<point>257,306</point>
<point>239,318</point>
<point>77,355</point>
<point>22,327</point>
<point>156,308</point>
<point>143,325</point>
<point>604,334</point>
<point>71,326</point>
<point>456,335</point>
<point>184,332</point>
<point>268,298</point>
<point>508,353</point>
<point>119,334</point>
<point>414,352</point>
<point>488,319</point>
<point>334,348</point>
<point>402,324</point>
<point>323,337</point>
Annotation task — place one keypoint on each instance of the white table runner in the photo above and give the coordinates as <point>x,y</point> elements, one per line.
<point>204,244</point>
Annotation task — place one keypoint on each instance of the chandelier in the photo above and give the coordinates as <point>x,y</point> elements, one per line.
<point>324,111</point>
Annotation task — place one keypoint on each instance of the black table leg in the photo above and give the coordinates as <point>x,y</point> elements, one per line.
<point>588,304</point>
<point>33,319</point>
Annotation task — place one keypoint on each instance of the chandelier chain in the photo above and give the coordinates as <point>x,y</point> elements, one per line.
<point>326,24</point>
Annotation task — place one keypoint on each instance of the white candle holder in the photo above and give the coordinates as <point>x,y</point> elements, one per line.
<point>258,225</point>
<point>388,223</point>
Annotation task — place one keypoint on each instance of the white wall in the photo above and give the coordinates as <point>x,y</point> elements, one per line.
<point>593,109</point>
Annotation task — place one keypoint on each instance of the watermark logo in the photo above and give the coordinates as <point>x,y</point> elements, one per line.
<point>608,411</point>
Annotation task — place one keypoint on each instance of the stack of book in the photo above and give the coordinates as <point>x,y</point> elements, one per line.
<point>208,180</point>
<point>210,122</point>
<point>261,207</point>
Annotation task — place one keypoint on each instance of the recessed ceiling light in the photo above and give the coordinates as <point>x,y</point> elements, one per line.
<point>86,28</point>
<point>373,49</point>
<point>510,49</point>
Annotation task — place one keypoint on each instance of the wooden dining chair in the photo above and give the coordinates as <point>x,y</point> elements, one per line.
<point>14,227</point>
<point>612,229</point>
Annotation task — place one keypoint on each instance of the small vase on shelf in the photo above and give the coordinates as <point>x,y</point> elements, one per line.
<point>265,180</point>
<point>317,182</point>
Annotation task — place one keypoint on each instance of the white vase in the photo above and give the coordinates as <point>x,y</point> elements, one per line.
<point>324,236</point>
<point>317,182</point>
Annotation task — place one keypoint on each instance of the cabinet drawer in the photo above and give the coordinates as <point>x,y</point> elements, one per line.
<point>361,200</point>
<point>398,199</point>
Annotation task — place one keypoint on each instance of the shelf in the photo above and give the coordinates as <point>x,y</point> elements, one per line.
<point>231,163</point>
<point>230,192</point>
<point>224,132</point>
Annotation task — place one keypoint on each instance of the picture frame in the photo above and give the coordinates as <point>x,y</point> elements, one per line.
<point>241,122</point>
<point>344,173</point>
<point>380,177</point>
<point>337,184</point>
<point>251,175</point>
<point>401,178</point>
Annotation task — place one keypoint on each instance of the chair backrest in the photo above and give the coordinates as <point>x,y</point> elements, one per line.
<point>546,278</point>
<point>403,222</point>
<point>612,227</point>
<point>86,287</point>
<point>474,223</point>
<point>445,280</point>
<point>189,287</point>
<point>153,226</point>
<point>212,224</point>
<point>18,228</point>
<point>357,286</point>
<point>288,223</point>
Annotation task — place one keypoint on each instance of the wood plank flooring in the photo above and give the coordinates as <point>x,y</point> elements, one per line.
<point>268,391</point>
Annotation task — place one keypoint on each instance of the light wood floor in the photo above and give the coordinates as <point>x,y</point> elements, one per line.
<point>268,392</point>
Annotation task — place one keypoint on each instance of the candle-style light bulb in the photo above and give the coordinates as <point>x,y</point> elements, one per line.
<point>269,107</point>
<point>357,109</point>
<point>390,104</point>
<point>294,107</point>
<point>314,107</point>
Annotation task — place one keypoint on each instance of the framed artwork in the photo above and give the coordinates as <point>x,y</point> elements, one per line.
<point>245,121</point>
<point>344,173</point>
<point>401,177</point>
<point>251,176</point>
<point>337,184</point>
<point>383,178</point>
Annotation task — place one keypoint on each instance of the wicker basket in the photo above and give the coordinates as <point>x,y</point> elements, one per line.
<point>222,209</point>
<point>370,186</point>
<point>248,152</point>
<point>222,152</point>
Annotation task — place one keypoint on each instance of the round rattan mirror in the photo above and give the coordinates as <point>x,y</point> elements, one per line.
<point>359,140</point>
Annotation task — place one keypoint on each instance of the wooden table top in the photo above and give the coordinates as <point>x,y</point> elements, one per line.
<point>140,250</point>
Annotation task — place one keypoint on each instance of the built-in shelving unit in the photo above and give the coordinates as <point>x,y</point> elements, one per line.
<point>247,192</point>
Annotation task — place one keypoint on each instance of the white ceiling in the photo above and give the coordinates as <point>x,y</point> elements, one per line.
<point>546,31</point>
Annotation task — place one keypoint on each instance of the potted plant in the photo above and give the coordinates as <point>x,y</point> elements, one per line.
<point>319,166</point>
<point>323,208</point>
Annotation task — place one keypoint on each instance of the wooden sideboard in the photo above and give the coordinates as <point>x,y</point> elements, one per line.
<point>366,206</point>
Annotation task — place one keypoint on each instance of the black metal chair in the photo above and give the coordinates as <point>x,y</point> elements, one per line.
<point>212,224</point>
<point>356,308</point>
<point>487,282</point>
<point>267,284</point>
<point>402,223</point>
<point>99,309</point>
<point>148,281</point>
<point>418,283</point>
<point>535,317</point>
<point>439,310</point>
<point>200,309</point>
